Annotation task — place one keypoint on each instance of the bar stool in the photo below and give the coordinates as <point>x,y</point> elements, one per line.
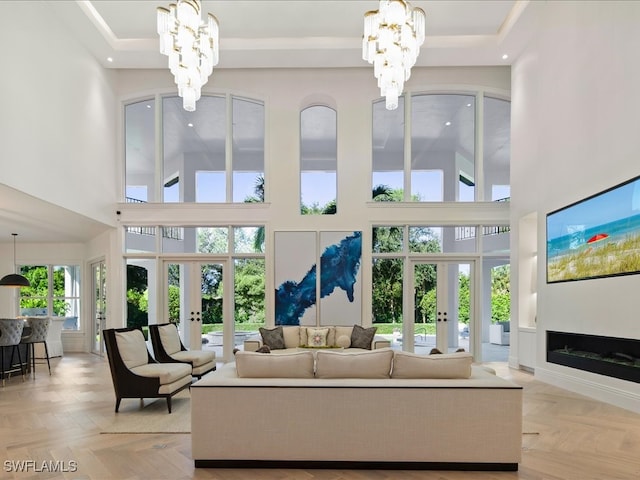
<point>39,329</point>
<point>10,336</point>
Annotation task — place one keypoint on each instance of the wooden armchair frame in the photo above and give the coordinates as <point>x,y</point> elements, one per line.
<point>161,354</point>
<point>125,382</point>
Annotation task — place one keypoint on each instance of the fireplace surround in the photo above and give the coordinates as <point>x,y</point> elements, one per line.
<point>610,356</point>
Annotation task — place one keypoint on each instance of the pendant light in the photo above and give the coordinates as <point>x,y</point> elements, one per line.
<point>14,279</point>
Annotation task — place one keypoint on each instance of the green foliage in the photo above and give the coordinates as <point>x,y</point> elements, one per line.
<point>137,301</point>
<point>249,291</point>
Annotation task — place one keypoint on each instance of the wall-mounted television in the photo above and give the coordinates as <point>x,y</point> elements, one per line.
<point>596,237</point>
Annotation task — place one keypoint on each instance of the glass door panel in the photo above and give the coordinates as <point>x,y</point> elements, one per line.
<point>441,303</point>
<point>195,301</point>
<point>99,305</point>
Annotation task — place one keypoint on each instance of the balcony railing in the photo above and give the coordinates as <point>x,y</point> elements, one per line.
<point>171,233</point>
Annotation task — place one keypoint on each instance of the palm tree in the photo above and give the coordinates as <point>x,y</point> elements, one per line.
<point>258,190</point>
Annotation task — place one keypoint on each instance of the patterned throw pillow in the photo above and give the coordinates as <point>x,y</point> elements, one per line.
<point>273,338</point>
<point>362,337</point>
<point>317,337</point>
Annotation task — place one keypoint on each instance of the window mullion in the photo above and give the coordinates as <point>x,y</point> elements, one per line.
<point>407,148</point>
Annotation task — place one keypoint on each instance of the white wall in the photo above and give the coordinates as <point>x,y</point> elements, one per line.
<point>575,100</point>
<point>58,120</point>
<point>286,92</point>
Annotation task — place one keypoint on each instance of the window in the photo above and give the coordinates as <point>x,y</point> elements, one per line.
<point>442,161</point>
<point>388,149</point>
<point>196,166</point>
<point>318,160</point>
<point>54,291</point>
<point>497,149</point>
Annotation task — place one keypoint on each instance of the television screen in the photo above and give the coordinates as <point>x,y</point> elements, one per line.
<point>596,237</point>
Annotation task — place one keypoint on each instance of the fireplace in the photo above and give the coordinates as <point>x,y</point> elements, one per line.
<point>610,356</point>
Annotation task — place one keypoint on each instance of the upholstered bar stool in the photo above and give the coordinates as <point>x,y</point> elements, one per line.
<point>39,329</point>
<point>10,336</point>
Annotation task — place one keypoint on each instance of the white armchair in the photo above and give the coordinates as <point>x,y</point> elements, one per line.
<point>499,333</point>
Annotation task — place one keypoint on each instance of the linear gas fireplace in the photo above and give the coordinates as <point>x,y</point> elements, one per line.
<point>610,356</point>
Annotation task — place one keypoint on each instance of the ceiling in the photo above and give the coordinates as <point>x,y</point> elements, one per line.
<point>295,33</point>
<point>261,34</point>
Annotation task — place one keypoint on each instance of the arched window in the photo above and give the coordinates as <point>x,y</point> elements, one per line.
<point>318,160</point>
<point>441,162</point>
<point>194,162</point>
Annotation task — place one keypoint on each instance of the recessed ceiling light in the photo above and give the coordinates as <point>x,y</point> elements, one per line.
<point>468,104</point>
<point>148,106</point>
<point>505,56</point>
<point>189,124</point>
<point>447,123</point>
<point>109,59</point>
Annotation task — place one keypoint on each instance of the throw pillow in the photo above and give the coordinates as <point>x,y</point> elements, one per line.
<point>362,337</point>
<point>283,365</point>
<point>272,338</point>
<point>317,337</point>
<point>264,349</point>
<point>343,341</point>
<point>445,365</point>
<point>373,364</point>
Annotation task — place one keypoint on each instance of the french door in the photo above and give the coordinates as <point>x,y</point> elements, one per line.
<point>443,306</point>
<point>194,293</point>
<point>99,305</point>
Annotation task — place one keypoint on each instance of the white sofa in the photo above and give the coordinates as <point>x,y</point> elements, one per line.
<point>322,419</point>
<point>295,337</point>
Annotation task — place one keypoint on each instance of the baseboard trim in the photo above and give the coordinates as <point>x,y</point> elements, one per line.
<point>357,465</point>
<point>604,393</point>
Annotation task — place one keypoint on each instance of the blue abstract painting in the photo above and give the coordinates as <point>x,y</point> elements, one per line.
<point>339,266</point>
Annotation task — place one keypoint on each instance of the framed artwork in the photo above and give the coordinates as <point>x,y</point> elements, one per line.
<point>340,278</point>
<point>299,282</point>
<point>295,278</point>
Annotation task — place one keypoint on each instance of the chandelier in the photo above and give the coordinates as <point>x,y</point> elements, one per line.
<point>191,45</point>
<point>391,42</point>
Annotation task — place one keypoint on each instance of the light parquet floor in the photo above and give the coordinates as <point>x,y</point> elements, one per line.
<point>55,419</point>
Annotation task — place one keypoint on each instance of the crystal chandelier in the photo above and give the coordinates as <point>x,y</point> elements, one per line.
<point>391,42</point>
<point>191,45</point>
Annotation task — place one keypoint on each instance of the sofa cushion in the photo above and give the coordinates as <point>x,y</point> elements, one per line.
<point>273,338</point>
<point>373,364</point>
<point>169,338</point>
<point>285,365</point>
<point>343,341</point>
<point>362,337</point>
<point>132,348</point>
<point>291,335</point>
<point>317,337</point>
<point>446,365</point>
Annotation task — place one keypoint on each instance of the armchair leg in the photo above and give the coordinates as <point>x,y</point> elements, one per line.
<point>118,404</point>
<point>169,403</point>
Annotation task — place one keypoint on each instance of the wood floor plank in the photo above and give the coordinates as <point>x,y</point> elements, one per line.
<point>57,418</point>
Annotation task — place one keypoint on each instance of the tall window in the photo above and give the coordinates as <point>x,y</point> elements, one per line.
<point>497,149</point>
<point>442,162</point>
<point>54,291</point>
<point>195,165</point>
<point>318,160</point>
<point>388,151</point>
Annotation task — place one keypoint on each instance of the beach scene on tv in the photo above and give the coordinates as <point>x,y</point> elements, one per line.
<point>597,237</point>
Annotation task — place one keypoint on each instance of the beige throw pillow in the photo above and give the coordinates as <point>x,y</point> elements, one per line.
<point>284,365</point>
<point>132,348</point>
<point>447,365</point>
<point>373,364</point>
<point>317,337</point>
